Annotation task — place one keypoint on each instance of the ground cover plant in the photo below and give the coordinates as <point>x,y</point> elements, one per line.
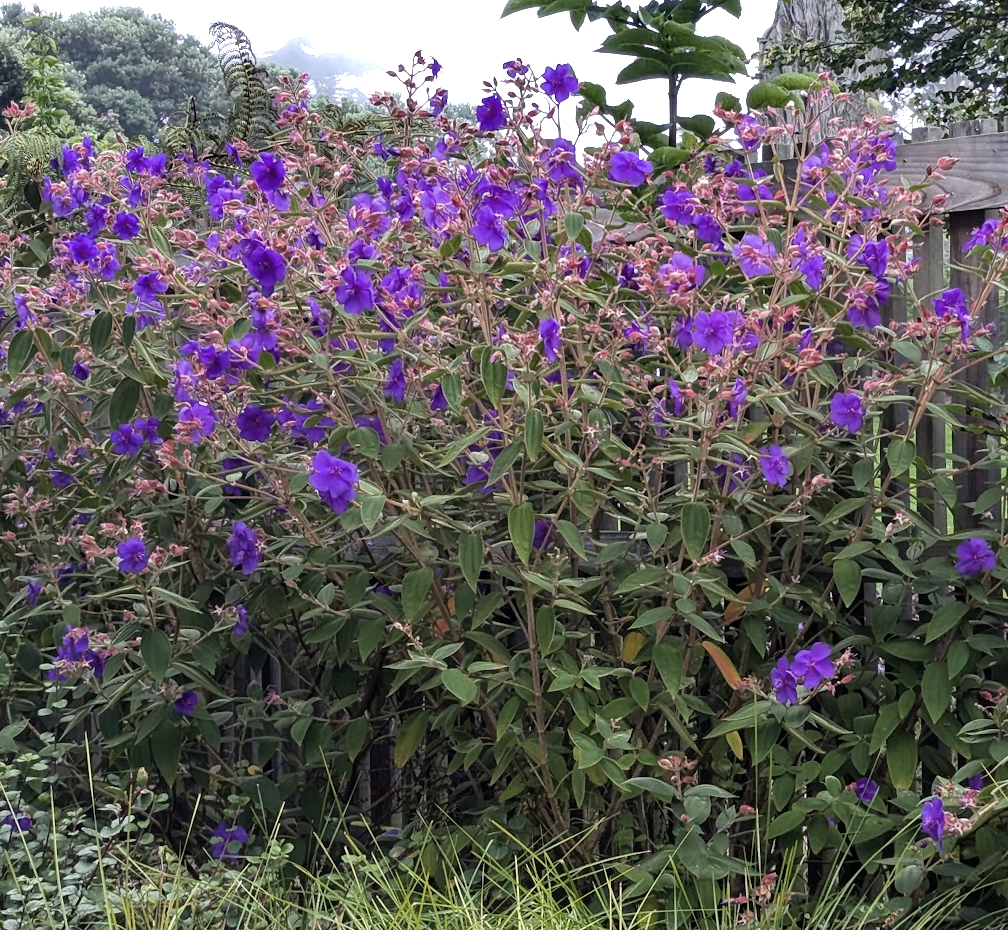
<point>574,518</point>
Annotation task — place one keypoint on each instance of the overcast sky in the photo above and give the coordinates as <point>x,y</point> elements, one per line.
<point>468,38</point>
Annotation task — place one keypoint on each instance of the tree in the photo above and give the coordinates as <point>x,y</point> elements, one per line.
<point>661,39</point>
<point>947,56</point>
<point>135,70</point>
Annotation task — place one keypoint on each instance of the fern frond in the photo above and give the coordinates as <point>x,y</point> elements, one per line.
<point>252,116</point>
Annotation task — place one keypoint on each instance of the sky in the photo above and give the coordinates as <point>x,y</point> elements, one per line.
<point>467,37</point>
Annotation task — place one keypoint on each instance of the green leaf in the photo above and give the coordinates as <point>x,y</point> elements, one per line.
<point>767,94</point>
<point>936,690</point>
<point>471,558</point>
<point>668,659</point>
<point>728,102</point>
<point>900,456</point>
<point>701,125</point>
<point>124,401</point>
<point>657,788</point>
<point>668,156</point>
<point>573,224</point>
<point>901,759</point>
<point>357,733</point>
<point>21,348</point>
<point>415,585</point>
<point>785,823</point>
<point>521,529</point>
<point>696,524</point>
<point>372,506</point>
<point>166,748</point>
<point>847,576</point>
<point>545,627</point>
<point>156,652</point>
<point>642,578</point>
<point>945,618</point>
<point>572,536</point>
<point>460,684</point>
<point>533,434</point>
<point>409,737</point>
<point>514,6</point>
<point>451,387</point>
<point>101,332</point>
<point>494,376</point>
<point>503,462</point>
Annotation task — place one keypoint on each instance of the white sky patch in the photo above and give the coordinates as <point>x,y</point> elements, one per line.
<point>468,38</point>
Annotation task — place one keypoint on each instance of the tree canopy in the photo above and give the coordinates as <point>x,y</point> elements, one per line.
<point>949,58</point>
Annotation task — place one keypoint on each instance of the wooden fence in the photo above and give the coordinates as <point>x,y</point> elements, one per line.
<point>976,189</point>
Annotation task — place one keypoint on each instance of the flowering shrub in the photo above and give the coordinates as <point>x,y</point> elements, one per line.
<point>586,511</point>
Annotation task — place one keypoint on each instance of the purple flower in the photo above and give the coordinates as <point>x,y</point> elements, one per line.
<point>712,331</point>
<point>974,557</point>
<point>126,440</point>
<point>560,82</point>
<point>266,266</point>
<point>975,782</point>
<point>395,384</point>
<point>241,624</point>
<point>754,254</point>
<point>775,465</point>
<point>223,837</point>
<point>952,305</point>
<point>333,479</point>
<point>933,819</point>
<point>148,286</point>
<point>812,665</point>
<point>873,254</point>
<point>435,67</point>
<point>356,293</point>
<point>254,423</point>
<point>784,682</point>
<point>549,332</point>
<point>812,269</point>
<point>125,226</point>
<point>491,114</point>
<point>132,555</point>
<point>865,790</point>
<point>268,172</point>
<point>32,590</point>
<point>629,168</point>
<point>17,821</point>
<point>203,418</point>
<point>81,248</point>
<point>847,411</point>
<point>186,702</point>
<point>544,533</point>
<point>243,545</point>
<point>489,229</point>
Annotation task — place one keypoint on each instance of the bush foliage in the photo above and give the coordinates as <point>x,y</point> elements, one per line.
<point>587,485</point>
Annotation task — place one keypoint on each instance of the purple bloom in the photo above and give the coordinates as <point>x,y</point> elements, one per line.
<point>933,819</point>
<point>712,331</point>
<point>148,286</point>
<point>395,384</point>
<point>629,168</point>
<point>435,67</point>
<point>126,440</point>
<point>125,226</point>
<point>974,557</point>
<point>813,665</point>
<point>812,269</point>
<point>560,82</point>
<point>32,590</point>
<point>489,229</point>
<point>266,266</point>
<point>982,235</point>
<point>952,305</point>
<point>865,790</point>
<point>203,418</point>
<point>17,821</point>
<point>847,411</point>
<point>738,397</point>
<point>334,479</point>
<point>754,254</point>
<point>254,423</point>
<point>243,545</point>
<point>241,624</point>
<point>873,254</point>
<point>356,293</point>
<point>544,533</point>
<point>132,555</point>
<point>224,836</point>
<point>775,465</point>
<point>784,682</point>
<point>549,332</point>
<point>81,248</point>
<point>975,782</point>
<point>186,702</point>
<point>491,114</point>
<point>268,172</point>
